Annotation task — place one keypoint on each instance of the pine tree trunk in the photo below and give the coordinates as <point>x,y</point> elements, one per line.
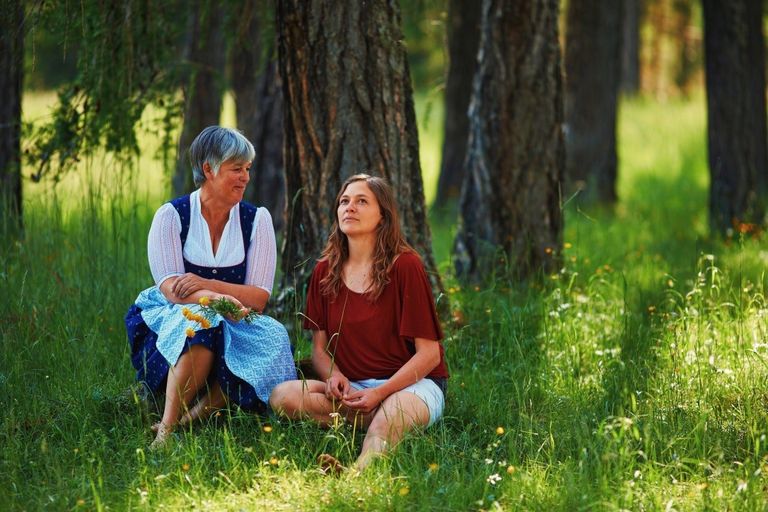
<point>259,107</point>
<point>510,221</point>
<point>592,73</point>
<point>11,77</point>
<point>348,109</point>
<point>630,47</point>
<point>205,54</point>
<point>463,40</point>
<point>736,109</point>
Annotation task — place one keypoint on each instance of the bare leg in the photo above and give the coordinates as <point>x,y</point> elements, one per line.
<point>184,381</point>
<point>214,399</point>
<point>301,399</point>
<point>396,415</point>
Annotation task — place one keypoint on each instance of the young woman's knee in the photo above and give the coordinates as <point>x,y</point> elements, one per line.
<point>286,397</point>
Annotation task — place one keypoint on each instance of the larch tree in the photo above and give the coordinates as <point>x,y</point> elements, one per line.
<point>11,77</point>
<point>592,74</point>
<point>348,109</point>
<point>205,55</point>
<point>259,104</point>
<point>736,108</point>
<point>463,38</point>
<point>510,216</point>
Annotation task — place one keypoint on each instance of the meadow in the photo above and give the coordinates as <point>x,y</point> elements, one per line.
<point>634,378</point>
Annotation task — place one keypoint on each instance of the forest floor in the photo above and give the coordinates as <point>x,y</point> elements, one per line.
<point>635,377</point>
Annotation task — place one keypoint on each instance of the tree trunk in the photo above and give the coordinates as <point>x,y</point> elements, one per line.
<point>593,67</point>
<point>630,47</point>
<point>510,220</point>
<point>685,63</point>
<point>259,107</point>
<point>348,109</point>
<point>205,54</point>
<point>736,109</point>
<point>11,77</point>
<point>463,40</point>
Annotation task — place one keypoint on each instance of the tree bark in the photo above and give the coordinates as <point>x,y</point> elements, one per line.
<point>685,63</point>
<point>592,73</point>
<point>736,109</point>
<point>348,109</point>
<point>259,108</point>
<point>510,221</point>
<point>463,40</point>
<point>630,47</point>
<point>205,54</point>
<point>11,77</point>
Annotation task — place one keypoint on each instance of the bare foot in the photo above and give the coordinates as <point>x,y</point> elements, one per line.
<point>164,433</point>
<point>330,465</point>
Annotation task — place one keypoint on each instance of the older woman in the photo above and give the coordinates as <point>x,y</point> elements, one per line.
<point>209,244</point>
<point>374,327</point>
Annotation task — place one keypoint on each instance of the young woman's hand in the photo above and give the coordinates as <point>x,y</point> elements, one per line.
<point>336,386</point>
<point>364,400</point>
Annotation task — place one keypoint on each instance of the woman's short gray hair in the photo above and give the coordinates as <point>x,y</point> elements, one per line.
<point>217,145</point>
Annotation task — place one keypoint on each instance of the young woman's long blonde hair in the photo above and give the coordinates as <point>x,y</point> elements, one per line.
<point>390,241</point>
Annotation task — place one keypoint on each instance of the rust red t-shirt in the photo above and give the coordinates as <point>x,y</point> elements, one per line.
<point>372,340</point>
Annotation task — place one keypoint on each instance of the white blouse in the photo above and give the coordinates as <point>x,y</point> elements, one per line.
<point>166,258</point>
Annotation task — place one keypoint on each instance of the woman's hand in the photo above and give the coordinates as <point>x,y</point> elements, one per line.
<point>364,400</point>
<point>243,311</point>
<point>187,284</point>
<point>336,386</point>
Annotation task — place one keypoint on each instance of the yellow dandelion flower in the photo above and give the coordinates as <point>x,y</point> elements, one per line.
<point>433,467</point>
<point>185,467</point>
<point>205,324</point>
<point>273,461</point>
<point>567,245</point>
<point>511,469</point>
<point>500,430</point>
<point>267,428</point>
<point>190,332</point>
<point>186,312</point>
<point>204,301</point>
<point>404,490</point>
<point>197,318</point>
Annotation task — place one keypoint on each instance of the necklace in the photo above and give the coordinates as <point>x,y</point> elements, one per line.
<point>357,281</point>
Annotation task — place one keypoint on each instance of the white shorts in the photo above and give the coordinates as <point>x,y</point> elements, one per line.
<point>425,389</point>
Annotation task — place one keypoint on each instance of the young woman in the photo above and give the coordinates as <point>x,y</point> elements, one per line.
<point>375,329</point>
<point>209,244</point>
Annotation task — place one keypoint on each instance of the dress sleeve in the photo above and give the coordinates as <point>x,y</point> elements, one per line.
<point>315,311</point>
<point>262,254</point>
<point>164,245</point>
<point>418,317</point>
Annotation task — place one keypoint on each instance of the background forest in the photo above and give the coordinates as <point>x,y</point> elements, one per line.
<point>586,181</point>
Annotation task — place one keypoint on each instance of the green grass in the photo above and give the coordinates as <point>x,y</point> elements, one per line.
<point>634,378</point>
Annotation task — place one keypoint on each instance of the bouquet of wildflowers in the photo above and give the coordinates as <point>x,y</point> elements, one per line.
<point>210,308</point>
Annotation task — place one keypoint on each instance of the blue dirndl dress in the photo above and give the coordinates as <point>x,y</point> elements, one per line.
<point>250,358</point>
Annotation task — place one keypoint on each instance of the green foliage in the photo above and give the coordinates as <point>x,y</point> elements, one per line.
<point>423,24</point>
<point>125,61</point>
<point>632,379</point>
